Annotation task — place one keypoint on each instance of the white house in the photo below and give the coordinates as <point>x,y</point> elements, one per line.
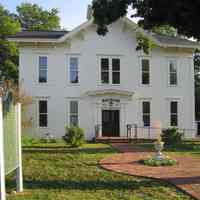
<point>84,79</point>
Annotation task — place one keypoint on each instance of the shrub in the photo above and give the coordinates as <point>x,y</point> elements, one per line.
<point>74,136</point>
<point>48,138</point>
<point>28,140</point>
<point>171,136</point>
<point>43,141</point>
<point>153,162</point>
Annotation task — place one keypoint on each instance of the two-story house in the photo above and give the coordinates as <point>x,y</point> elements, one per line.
<point>81,78</point>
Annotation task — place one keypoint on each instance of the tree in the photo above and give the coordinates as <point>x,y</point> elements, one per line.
<point>8,50</point>
<point>197,82</point>
<point>165,30</point>
<point>181,14</point>
<point>34,18</point>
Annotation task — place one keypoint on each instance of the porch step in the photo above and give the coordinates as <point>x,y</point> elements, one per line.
<point>121,140</point>
<point>112,140</point>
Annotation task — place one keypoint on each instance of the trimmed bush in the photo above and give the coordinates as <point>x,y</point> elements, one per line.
<point>171,136</point>
<point>74,136</point>
<point>28,140</point>
<point>156,163</point>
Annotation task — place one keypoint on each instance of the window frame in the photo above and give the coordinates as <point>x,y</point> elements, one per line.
<point>142,71</point>
<point>73,114</point>
<point>174,114</point>
<point>175,61</point>
<point>110,70</point>
<point>69,68</point>
<point>39,114</point>
<point>39,69</point>
<point>146,114</point>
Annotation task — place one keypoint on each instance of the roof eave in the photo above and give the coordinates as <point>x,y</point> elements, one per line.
<point>164,45</point>
<point>32,40</point>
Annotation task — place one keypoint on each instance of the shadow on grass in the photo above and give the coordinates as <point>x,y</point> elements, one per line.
<point>54,150</point>
<point>90,185</point>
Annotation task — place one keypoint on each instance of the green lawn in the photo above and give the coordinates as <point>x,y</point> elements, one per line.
<point>53,171</point>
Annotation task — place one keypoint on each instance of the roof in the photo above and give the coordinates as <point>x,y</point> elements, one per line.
<point>170,40</point>
<point>40,34</point>
<point>61,36</point>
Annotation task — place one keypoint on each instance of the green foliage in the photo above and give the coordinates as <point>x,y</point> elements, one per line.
<point>8,50</point>
<point>35,18</point>
<point>183,15</point>
<point>28,140</point>
<point>48,141</point>
<point>156,163</point>
<point>8,25</point>
<point>74,136</point>
<point>144,43</point>
<point>165,30</point>
<point>197,82</point>
<point>172,136</point>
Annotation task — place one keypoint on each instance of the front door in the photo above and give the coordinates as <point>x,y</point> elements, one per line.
<point>110,123</point>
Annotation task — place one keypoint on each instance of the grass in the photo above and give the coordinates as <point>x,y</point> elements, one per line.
<point>55,172</point>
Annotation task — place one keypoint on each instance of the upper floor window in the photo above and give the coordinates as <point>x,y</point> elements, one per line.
<point>43,69</point>
<point>173,72</point>
<point>74,70</point>
<point>145,71</point>
<point>110,70</point>
<point>146,113</point>
<point>174,113</point>
<point>104,70</point>
<point>43,114</point>
<point>73,113</point>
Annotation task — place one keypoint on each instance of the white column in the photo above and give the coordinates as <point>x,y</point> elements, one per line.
<point>99,119</point>
<point>2,163</point>
<point>19,175</point>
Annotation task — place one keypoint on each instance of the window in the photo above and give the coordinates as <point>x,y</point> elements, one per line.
<point>110,70</point>
<point>172,72</point>
<point>104,70</point>
<point>42,69</point>
<point>174,113</point>
<point>145,72</point>
<point>74,73</point>
<point>146,113</point>
<point>43,114</point>
<point>116,71</point>
<point>74,113</point>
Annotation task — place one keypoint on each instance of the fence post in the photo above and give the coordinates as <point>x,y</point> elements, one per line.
<point>136,131</point>
<point>149,132</point>
<point>2,163</point>
<point>19,173</point>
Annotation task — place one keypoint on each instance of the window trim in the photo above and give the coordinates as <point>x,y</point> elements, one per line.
<point>68,110</point>
<point>141,71</point>
<point>169,72</point>
<point>110,75</point>
<point>38,113</point>
<point>69,70</point>
<point>38,69</point>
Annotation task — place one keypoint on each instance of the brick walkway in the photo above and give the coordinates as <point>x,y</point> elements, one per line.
<point>185,175</point>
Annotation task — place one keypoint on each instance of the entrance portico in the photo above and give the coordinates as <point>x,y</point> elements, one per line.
<point>110,111</point>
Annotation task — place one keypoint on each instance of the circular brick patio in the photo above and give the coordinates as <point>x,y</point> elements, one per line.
<point>185,175</point>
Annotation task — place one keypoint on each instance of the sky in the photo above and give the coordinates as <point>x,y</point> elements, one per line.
<point>71,12</point>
